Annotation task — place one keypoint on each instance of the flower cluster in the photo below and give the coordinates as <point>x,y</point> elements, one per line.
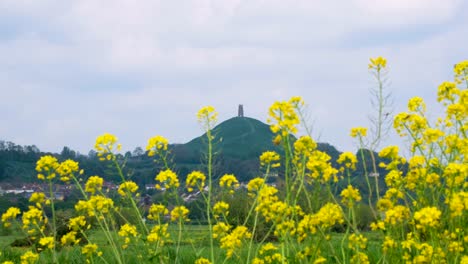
<point>167,179</point>
<point>195,179</point>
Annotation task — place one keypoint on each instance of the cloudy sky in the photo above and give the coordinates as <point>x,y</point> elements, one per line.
<point>72,70</point>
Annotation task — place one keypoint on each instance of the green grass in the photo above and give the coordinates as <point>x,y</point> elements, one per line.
<point>194,244</point>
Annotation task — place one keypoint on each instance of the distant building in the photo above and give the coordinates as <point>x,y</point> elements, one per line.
<point>241,111</point>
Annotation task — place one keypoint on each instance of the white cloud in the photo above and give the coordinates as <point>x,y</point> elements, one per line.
<point>168,58</point>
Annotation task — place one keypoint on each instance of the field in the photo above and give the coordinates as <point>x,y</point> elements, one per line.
<point>301,216</point>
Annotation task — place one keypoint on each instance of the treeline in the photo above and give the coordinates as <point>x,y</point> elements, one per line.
<point>17,164</point>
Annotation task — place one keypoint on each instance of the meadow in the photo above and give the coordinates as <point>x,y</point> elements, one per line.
<point>421,217</point>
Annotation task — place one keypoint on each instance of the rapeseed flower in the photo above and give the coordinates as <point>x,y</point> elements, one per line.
<point>126,231</point>
<point>283,118</point>
<point>202,261</point>
<point>167,179</point>
<point>233,241</point>
<point>195,179</point>
<point>156,211</point>
<point>377,64</point>
<point>270,158</point>
<point>127,188</point>
<point>207,117</point>
<point>350,195</point>
<point>220,230</point>
<point>416,104</point>
<point>94,184</point>
<point>67,169</point>
<point>76,223</point>
<point>221,208</point>
<point>156,144</point>
<point>396,215</point>
<point>29,257</point>
<point>358,132</point>
<point>47,242</point>
<point>70,238</point>
<point>90,249</point>
<point>105,146</point>
<point>230,182</point>
<point>179,213</point>
<point>158,234</point>
<point>357,242</point>
<point>348,159</point>
<point>46,167</point>
<point>38,198</point>
<point>9,215</point>
<point>427,217</point>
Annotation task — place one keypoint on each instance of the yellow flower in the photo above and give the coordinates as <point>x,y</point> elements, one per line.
<point>179,213</point>
<point>32,219</point>
<point>38,199</point>
<point>447,91</point>
<point>127,231</point>
<point>126,188</point>
<point>233,241</point>
<point>378,63</point>
<point>283,118</point>
<point>397,214</point>
<point>158,234</point>
<point>379,225</point>
<point>70,238</point>
<point>360,258</point>
<point>390,152</point>
<point>202,261</point>
<point>268,158</point>
<point>90,249</point>
<point>156,210</point>
<point>105,145</point>
<point>67,169</point>
<point>431,135</point>
<point>416,104</point>
<point>388,244</point>
<point>320,167</point>
<point>46,165</point>
<point>168,179</point>
<point>229,181</point>
<point>156,144</point>
<point>458,202</point>
<point>348,159</point>
<point>195,179</point>
<point>464,260</point>
<point>47,242</point>
<point>76,223</point>
<point>427,217</point>
<point>357,242</point>
<point>220,230</point>
<point>329,215</point>
<point>10,214</point>
<point>221,208</point>
<point>96,203</point>
<point>207,117</point>
<point>358,132</point>
<point>94,184</point>
<point>29,258</point>
<point>255,184</point>
<point>350,195</point>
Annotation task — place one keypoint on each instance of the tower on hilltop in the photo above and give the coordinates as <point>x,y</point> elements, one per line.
<point>241,111</point>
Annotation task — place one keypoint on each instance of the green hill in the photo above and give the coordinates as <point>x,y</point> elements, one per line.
<point>238,137</point>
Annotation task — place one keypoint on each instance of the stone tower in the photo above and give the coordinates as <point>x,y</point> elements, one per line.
<point>241,111</point>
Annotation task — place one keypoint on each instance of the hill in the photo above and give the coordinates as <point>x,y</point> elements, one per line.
<point>238,137</point>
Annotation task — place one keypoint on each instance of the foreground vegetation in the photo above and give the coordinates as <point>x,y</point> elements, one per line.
<point>421,218</point>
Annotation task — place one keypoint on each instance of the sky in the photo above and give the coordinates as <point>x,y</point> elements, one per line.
<point>73,70</point>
